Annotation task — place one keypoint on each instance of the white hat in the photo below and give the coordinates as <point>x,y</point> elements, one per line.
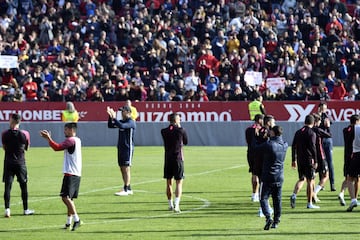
<point>172,42</point>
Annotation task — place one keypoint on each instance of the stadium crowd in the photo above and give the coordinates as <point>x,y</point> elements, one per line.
<point>179,50</point>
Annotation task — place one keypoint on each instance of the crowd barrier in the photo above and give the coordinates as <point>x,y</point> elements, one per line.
<point>148,134</point>
<point>207,123</point>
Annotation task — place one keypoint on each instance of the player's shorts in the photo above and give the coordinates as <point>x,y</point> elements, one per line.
<point>322,167</point>
<point>20,171</point>
<point>354,165</point>
<point>257,167</point>
<point>250,158</point>
<point>70,186</point>
<point>174,169</point>
<point>306,171</point>
<point>347,160</point>
<point>124,158</point>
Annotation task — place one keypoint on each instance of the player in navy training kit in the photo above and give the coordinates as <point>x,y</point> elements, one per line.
<point>174,137</point>
<point>125,145</point>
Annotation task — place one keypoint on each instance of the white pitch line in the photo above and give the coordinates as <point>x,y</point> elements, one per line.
<point>206,203</point>
<point>135,184</point>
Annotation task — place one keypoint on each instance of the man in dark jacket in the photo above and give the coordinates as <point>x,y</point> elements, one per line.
<point>272,178</point>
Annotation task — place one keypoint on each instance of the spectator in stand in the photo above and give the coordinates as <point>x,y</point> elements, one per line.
<point>86,52</point>
<point>25,7</point>
<point>333,24</point>
<point>330,82</point>
<point>271,42</point>
<point>7,78</point>
<point>238,95</point>
<point>323,25</point>
<point>90,92</point>
<point>202,97</point>
<point>46,34</point>
<point>339,91</point>
<point>108,91</point>
<point>256,40</point>
<point>304,69</point>
<point>343,70</point>
<point>54,48</point>
<point>212,84</point>
<point>192,81</point>
<point>90,8</point>
<point>233,43</point>
<point>207,62</point>
<point>30,89</point>
<point>219,47</point>
<point>57,96</point>
<point>163,95</point>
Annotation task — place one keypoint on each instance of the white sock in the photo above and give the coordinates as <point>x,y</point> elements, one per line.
<point>170,203</point>
<point>354,200</point>
<point>293,195</point>
<point>341,194</point>
<point>76,218</point>
<point>177,201</point>
<point>317,189</point>
<point>68,220</point>
<point>309,203</point>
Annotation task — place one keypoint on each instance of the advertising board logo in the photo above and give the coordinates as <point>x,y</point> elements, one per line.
<point>186,116</point>
<point>298,112</point>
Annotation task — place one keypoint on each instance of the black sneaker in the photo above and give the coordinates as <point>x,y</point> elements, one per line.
<point>76,225</point>
<point>268,224</point>
<point>66,226</point>
<point>275,225</point>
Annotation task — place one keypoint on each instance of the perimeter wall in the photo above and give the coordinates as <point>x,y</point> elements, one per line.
<point>207,124</point>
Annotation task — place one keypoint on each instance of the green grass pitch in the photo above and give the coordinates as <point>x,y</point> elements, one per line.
<point>215,205</point>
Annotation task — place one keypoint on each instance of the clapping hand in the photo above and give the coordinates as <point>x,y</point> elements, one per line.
<point>45,134</point>
<point>111,112</point>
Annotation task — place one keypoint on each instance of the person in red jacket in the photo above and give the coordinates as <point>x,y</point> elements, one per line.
<point>206,62</point>
<point>30,89</point>
<point>333,24</point>
<point>9,79</point>
<point>339,91</point>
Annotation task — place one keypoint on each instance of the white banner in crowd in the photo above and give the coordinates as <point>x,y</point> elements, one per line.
<point>7,61</point>
<point>274,84</point>
<point>253,78</point>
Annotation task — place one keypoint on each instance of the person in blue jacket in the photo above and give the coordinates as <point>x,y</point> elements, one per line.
<point>274,152</point>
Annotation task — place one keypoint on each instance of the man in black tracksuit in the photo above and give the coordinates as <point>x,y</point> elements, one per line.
<point>272,178</point>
